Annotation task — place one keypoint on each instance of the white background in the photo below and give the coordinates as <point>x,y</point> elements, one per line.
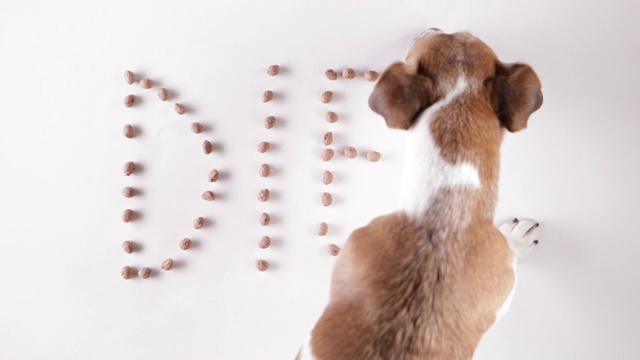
<point>575,170</point>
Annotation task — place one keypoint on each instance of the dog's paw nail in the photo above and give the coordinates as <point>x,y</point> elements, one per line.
<point>535,242</point>
<point>515,220</point>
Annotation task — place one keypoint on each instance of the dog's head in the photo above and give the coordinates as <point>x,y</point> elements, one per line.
<point>433,66</point>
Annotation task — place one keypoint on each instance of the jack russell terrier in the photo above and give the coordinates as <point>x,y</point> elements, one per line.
<point>428,281</point>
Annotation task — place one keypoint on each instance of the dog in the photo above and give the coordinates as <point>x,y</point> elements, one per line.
<point>427,281</point>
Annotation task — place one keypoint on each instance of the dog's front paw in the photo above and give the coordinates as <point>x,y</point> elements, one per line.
<point>521,236</point>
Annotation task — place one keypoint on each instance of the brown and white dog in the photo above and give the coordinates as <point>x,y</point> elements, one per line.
<point>428,281</point>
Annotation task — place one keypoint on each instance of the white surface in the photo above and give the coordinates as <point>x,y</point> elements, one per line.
<point>61,152</point>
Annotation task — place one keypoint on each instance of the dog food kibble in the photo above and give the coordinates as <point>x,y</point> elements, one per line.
<point>207,147</point>
<point>330,74</point>
<point>333,250</point>
<point>208,196</point>
<point>126,272</point>
<point>262,265</point>
<point>198,222</point>
<point>127,215</point>
<point>327,139</point>
<point>265,170</point>
<point>327,177</point>
<point>144,273</point>
<point>179,108</point>
<point>373,156</point>
<point>265,242</point>
<point>326,97</point>
<point>129,168</point>
<point>323,229</point>
<point>129,131</point>
<point>146,83</point>
<point>348,73</point>
<point>163,94</point>
<point>263,147</point>
<point>327,199</point>
<point>350,152</point>
<point>327,154</point>
<point>371,75</point>
<point>196,128</point>
<point>269,122</point>
<point>267,96</point>
<point>129,100</point>
<point>265,219</point>
<point>273,70</point>
<point>331,117</point>
<point>167,264</point>
<point>185,244</point>
<point>129,77</point>
<point>213,175</point>
<point>128,247</point>
<point>128,192</point>
<point>264,195</point>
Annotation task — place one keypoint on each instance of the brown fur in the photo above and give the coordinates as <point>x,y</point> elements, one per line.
<point>428,287</point>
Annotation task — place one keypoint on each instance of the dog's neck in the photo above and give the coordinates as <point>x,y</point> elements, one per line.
<point>448,173</point>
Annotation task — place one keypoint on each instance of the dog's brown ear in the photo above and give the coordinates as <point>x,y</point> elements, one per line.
<point>516,95</point>
<point>400,95</point>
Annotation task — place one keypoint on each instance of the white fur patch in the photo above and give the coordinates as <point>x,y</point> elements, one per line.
<point>306,353</point>
<point>504,309</point>
<point>425,171</point>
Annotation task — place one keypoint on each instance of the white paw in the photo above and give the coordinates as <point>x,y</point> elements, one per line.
<point>521,236</point>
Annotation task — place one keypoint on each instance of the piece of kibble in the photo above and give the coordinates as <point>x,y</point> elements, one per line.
<point>207,147</point>
<point>268,96</point>
<point>128,192</point>
<point>331,117</point>
<point>327,154</point>
<point>198,222</point>
<point>265,170</point>
<point>327,139</point>
<point>128,247</point>
<point>265,219</point>
<point>129,77</point>
<point>327,199</point>
<point>323,229</point>
<point>326,96</point>
<point>264,195</point>
<point>213,175</point>
<point>333,249</point>
<point>196,128</point>
<point>127,215</point>
<point>373,156</point>
<point>167,264</point>
<point>265,242</point>
<point>350,152</point>
<point>263,147</point>
<point>163,94</point>
<point>348,73</point>
<point>371,75</point>
<point>262,265</point>
<point>126,272</point>
<point>327,177</point>
<point>185,244</point>
<point>330,74</point>
<point>144,273</point>
<point>208,196</point>
<point>269,122</point>
<point>129,100</point>
<point>129,131</point>
<point>129,168</point>
<point>179,108</point>
<point>146,83</point>
<point>273,70</point>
